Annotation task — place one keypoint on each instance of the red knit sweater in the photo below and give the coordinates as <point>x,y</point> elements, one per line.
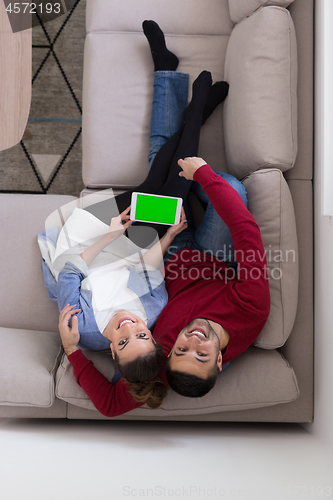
<point>200,286</point>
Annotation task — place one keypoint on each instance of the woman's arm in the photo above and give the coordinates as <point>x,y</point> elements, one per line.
<point>70,337</point>
<point>155,255</point>
<point>109,399</point>
<point>117,227</point>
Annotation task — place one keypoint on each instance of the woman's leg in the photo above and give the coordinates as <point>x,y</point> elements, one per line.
<point>167,158</point>
<point>189,143</point>
<point>184,143</point>
<point>168,105</point>
<point>171,93</point>
<point>163,176</point>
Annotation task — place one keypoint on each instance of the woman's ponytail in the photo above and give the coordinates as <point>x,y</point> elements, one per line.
<point>152,393</point>
<point>141,373</point>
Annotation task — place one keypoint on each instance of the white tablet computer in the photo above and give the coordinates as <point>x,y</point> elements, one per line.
<point>156,208</point>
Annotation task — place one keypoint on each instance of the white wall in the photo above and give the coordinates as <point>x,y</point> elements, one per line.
<point>323,192</point>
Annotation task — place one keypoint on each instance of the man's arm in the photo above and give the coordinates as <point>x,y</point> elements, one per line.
<point>189,166</point>
<point>228,204</point>
<point>245,232</point>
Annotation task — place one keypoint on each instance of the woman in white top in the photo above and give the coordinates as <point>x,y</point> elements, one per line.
<point>140,287</point>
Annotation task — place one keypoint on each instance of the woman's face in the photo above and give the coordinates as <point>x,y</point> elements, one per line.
<point>129,335</point>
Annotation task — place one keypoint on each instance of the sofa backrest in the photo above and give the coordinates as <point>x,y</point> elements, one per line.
<point>239,9</point>
<point>260,112</point>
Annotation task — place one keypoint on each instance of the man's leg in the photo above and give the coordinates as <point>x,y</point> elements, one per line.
<point>169,102</point>
<point>170,99</point>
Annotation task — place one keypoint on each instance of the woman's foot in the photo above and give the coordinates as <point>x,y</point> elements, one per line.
<point>164,60</point>
<point>217,94</point>
<point>200,91</point>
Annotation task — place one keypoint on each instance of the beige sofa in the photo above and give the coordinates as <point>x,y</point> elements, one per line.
<point>262,134</point>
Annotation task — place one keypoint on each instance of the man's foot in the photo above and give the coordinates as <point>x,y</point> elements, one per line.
<point>200,90</point>
<point>164,60</point>
<point>217,94</point>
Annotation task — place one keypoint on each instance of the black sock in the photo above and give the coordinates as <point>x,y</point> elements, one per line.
<point>164,60</point>
<point>201,89</point>
<point>217,94</point>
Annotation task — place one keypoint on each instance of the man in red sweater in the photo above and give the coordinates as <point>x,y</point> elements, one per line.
<point>214,312</point>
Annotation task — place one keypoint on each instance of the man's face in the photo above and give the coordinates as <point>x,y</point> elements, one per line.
<point>196,350</point>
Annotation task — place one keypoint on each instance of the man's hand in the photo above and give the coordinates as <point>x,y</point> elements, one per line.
<point>189,166</point>
<point>120,224</point>
<point>69,336</point>
<point>178,228</point>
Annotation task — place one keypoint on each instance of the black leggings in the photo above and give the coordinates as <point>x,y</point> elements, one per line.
<point>162,179</point>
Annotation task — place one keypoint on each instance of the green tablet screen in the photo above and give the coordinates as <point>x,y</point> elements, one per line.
<point>155,209</point>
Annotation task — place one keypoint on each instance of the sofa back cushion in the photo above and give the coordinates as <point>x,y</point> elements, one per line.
<point>242,8</point>
<point>260,112</point>
<point>270,202</point>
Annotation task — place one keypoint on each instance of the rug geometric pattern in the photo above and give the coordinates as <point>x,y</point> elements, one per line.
<point>49,158</point>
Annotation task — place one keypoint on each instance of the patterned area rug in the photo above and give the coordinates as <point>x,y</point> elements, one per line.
<point>49,158</point>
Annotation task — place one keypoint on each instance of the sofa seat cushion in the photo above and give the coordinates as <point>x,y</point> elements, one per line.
<point>260,112</point>
<point>241,8</point>
<point>29,360</point>
<point>255,379</point>
<point>24,298</point>
<point>270,202</point>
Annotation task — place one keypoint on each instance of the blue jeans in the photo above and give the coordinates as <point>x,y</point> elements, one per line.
<point>169,102</point>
